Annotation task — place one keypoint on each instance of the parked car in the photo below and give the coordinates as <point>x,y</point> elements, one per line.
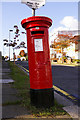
<point>6,59</point>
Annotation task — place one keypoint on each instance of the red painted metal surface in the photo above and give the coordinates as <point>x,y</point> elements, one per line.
<point>39,60</point>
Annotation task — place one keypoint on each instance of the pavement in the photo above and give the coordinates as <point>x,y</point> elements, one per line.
<point>9,95</point>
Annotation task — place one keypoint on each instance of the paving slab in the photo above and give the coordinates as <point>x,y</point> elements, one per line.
<point>74,111</point>
<point>0,100</point>
<point>62,100</point>
<point>12,111</point>
<point>6,81</point>
<point>0,112</point>
<point>5,77</point>
<point>9,94</point>
<point>4,70</point>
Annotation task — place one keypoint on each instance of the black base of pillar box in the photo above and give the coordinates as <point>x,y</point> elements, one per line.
<point>42,97</point>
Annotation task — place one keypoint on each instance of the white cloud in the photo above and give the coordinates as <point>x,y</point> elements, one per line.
<point>67,23</point>
<point>70,22</point>
<point>54,33</point>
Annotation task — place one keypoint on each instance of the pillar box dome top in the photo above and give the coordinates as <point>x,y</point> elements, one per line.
<point>36,21</point>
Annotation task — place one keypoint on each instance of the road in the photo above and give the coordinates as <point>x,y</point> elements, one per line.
<point>64,77</point>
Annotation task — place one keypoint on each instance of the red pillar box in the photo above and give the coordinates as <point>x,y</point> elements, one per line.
<point>41,86</point>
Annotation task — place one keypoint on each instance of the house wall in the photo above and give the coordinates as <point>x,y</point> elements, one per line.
<point>79,45</point>
<point>70,51</point>
<point>73,51</point>
<point>79,54</point>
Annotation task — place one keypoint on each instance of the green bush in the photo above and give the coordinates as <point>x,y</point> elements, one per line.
<point>76,60</point>
<point>64,57</point>
<point>27,58</point>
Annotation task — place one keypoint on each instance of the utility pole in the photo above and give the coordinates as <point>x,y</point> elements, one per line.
<point>33,12</point>
<point>9,42</point>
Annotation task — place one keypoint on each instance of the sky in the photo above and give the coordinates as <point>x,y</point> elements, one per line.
<point>63,14</point>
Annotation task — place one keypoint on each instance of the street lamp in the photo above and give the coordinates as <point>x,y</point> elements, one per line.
<point>9,42</point>
<point>24,33</point>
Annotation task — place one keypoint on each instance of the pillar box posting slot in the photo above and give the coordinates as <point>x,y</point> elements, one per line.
<point>41,86</point>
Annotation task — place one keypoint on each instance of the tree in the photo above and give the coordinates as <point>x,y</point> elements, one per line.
<point>75,39</point>
<point>61,42</point>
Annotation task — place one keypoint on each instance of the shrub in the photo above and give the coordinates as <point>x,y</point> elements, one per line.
<point>76,60</point>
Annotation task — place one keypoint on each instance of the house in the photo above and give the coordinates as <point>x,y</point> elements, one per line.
<point>73,50</point>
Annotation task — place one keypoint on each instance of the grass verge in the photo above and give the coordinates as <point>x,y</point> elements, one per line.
<point>23,86</point>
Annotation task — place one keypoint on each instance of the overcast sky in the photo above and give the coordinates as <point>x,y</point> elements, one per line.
<point>63,14</point>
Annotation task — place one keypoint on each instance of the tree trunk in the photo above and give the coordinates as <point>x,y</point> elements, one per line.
<point>13,55</point>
